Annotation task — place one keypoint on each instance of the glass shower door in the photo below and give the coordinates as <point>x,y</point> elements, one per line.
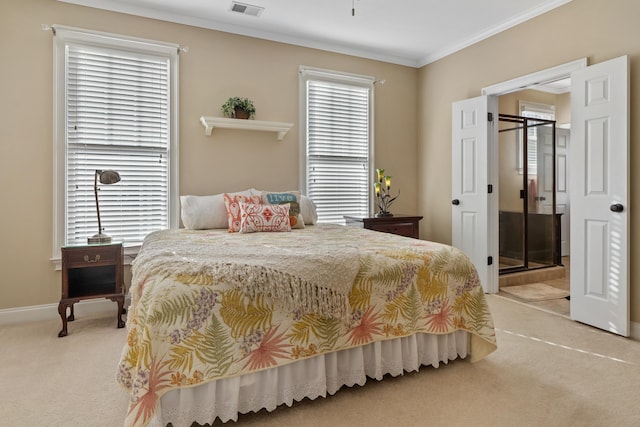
<point>511,203</point>
<point>527,223</point>
<point>541,240</point>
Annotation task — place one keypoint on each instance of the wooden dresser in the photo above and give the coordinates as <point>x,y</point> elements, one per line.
<point>402,225</point>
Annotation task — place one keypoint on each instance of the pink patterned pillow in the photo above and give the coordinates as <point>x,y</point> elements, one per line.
<point>232,203</point>
<point>255,218</point>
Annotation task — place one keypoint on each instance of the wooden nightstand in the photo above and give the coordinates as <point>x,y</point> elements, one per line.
<point>91,271</point>
<point>402,225</point>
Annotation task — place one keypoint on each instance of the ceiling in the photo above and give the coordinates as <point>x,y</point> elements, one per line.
<point>406,32</point>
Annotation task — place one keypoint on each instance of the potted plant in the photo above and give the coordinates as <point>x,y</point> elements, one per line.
<point>239,108</point>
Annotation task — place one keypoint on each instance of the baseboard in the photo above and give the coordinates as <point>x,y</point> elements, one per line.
<point>35,313</point>
<point>634,331</point>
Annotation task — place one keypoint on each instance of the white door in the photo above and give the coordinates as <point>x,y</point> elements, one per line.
<point>473,208</point>
<point>599,195</point>
<point>545,178</point>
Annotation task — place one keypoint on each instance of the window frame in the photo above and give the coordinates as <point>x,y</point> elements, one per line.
<point>311,73</point>
<point>62,36</point>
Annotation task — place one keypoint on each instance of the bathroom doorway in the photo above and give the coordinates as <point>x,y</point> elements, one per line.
<point>599,184</point>
<point>533,141</point>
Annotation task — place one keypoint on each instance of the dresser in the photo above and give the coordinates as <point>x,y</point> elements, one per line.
<point>402,225</point>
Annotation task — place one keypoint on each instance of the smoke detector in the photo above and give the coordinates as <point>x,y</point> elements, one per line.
<point>246,9</point>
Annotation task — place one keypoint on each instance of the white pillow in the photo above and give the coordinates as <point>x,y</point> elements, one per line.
<point>206,212</point>
<point>308,210</point>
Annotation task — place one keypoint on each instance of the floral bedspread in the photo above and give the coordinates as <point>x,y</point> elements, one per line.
<point>188,327</point>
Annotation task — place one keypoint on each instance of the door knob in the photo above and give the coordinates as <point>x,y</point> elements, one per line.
<point>455,202</point>
<point>617,207</point>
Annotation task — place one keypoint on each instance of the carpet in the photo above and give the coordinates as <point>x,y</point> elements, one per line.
<point>535,292</point>
<point>548,371</point>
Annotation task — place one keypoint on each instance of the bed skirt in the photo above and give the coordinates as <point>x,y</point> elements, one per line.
<point>311,378</point>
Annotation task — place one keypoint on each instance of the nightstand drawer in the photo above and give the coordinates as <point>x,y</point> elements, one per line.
<point>407,229</point>
<point>402,225</point>
<point>90,256</point>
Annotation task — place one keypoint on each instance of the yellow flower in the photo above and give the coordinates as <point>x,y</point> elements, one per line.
<point>297,352</point>
<point>387,329</point>
<point>178,378</point>
<point>399,330</point>
<point>132,337</point>
<point>197,378</point>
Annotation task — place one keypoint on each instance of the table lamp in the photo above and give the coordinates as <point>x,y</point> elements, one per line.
<point>382,189</point>
<point>105,177</point>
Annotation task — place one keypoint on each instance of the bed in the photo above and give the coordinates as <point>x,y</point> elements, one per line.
<point>226,323</point>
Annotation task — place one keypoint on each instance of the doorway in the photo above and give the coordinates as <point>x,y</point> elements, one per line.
<point>599,181</point>
<point>533,222</point>
<point>547,94</point>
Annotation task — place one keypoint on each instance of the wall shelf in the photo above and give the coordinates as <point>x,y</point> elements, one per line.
<point>210,122</point>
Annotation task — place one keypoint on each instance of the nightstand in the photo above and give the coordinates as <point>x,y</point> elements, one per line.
<point>91,271</point>
<point>402,225</point>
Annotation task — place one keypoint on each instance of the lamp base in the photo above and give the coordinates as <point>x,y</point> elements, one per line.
<point>383,214</point>
<point>98,238</point>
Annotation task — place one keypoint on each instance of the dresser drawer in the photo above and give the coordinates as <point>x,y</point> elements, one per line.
<point>402,225</point>
<point>407,229</point>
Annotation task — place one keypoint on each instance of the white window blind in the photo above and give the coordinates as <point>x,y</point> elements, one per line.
<point>117,115</point>
<point>338,147</point>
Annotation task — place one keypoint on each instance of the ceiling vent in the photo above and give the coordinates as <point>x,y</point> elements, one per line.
<point>246,9</point>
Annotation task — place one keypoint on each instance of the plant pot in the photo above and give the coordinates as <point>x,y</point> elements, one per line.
<point>240,113</point>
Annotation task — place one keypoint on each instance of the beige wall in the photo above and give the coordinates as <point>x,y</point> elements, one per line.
<point>596,29</point>
<point>217,66</point>
<point>563,109</point>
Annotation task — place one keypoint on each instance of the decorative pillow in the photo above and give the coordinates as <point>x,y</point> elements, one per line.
<point>233,209</point>
<point>292,198</point>
<point>309,210</point>
<point>256,218</point>
<point>206,212</point>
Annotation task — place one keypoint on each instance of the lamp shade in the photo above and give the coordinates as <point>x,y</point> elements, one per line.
<point>108,177</point>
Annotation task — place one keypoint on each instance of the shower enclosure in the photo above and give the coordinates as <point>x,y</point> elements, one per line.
<point>528,223</point>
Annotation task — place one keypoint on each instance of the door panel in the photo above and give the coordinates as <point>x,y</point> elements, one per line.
<point>545,169</point>
<point>599,153</point>
<point>563,200</point>
<point>545,179</point>
<point>472,209</point>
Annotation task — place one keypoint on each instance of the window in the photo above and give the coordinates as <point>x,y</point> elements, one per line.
<point>116,108</point>
<point>337,151</point>
<point>535,111</point>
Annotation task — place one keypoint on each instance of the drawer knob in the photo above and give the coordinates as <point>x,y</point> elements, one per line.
<point>96,259</point>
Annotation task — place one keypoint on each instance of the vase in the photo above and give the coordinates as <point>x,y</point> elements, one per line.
<point>240,113</point>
